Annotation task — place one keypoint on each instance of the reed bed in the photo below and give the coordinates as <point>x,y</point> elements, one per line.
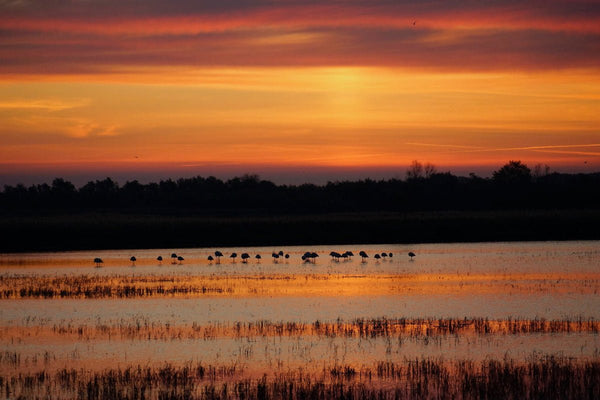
<point>91,286</point>
<point>420,378</point>
<point>145,329</point>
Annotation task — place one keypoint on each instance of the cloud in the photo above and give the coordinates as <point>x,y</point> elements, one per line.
<point>42,104</point>
<point>48,37</point>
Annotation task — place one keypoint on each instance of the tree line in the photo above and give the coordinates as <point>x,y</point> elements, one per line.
<point>514,186</point>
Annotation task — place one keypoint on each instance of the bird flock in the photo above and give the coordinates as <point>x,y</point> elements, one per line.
<point>308,257</point>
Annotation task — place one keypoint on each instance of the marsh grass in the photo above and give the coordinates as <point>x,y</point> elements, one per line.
<point>419,378</point>
<point>92,286</point>
<point>400,328</point>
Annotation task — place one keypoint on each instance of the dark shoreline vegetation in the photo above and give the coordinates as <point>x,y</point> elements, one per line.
<point>420,378</point>
<point>428,206</point>
<point>424,330</point>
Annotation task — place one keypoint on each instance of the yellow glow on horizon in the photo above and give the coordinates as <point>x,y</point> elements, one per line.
<point>334,116</point>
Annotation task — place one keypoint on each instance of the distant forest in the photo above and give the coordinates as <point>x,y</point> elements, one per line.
<point>514,186</point>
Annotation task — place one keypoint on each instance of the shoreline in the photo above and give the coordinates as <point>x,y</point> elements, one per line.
<point>112,230</point>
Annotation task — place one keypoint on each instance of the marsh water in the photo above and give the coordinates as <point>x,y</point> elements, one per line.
<point>58,310</point>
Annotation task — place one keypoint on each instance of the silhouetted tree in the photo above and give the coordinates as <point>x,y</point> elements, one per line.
<point>515,172</point>
<point>512,187</point>
<point>415,171</point>
<point>540,171</point>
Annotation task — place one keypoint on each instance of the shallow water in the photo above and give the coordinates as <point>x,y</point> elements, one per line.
<point>528,281</point>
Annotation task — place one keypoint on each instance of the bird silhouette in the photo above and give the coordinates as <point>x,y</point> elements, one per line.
<point>210,258</point>
<point>258,257</point>
<point>364,255</point>
<point>98,261</point>
<point>180,259</point>
<point>377,256</point>
<point>309,257</point>
<point>159,259</point>
<point>173,258</point>
<point>233,257</point>
<point>218,254</point>
<point>133,260</point>
<point>411,255</point>
<point>245,257</point>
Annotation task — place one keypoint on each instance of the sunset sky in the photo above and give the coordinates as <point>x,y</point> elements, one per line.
<point>295,90</point>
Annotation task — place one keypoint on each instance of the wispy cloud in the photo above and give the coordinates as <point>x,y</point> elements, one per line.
<point>555,149</point>
<point>41,37</point>
<point>43,104</point>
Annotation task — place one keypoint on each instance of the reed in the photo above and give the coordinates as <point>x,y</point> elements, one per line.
<point>93,286</point>
<point>145,329</point>
<point>421,378</point>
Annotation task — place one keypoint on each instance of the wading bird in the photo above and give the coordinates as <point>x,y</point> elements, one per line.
<point>98,261</point>
<point>218,254</point>
<point>133,260</point>
<point>391,255</point>
<point>245,257</point>
<point>159,259</point>
<point>308,256</point>
<point>180,259</point>
<point>363,255</point>
<point>173,258</point>
<point>258,257</point>
<point>287,256</point>
<point>275,257</point>
<point>233,256</point>
<point>377,256</point>
<point>411,255</point>
<point>210,259</point>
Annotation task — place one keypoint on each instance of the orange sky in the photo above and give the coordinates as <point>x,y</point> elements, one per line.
<point>245,86</point>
